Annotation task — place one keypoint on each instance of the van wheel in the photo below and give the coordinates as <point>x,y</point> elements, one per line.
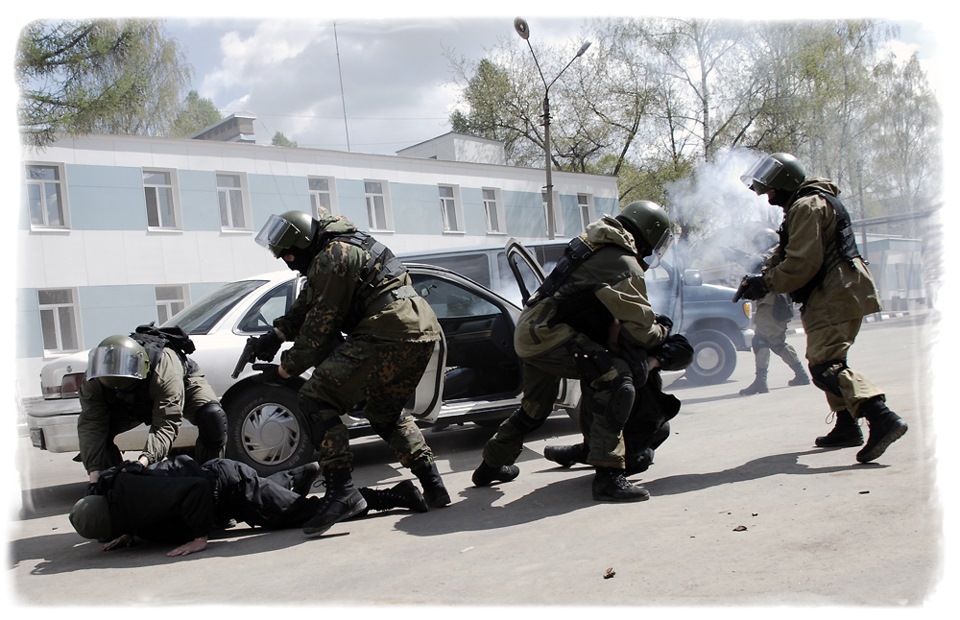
<point>266,430</point>
<point>714,357</point>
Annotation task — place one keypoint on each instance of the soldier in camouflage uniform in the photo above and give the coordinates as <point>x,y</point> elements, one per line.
<point>771,316</point>
<point>818,263</point>
<point>563,332</point>
<point>368,335</point>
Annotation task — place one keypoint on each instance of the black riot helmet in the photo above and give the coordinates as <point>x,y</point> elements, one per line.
<point>780,171</point>
<point>291,233</point>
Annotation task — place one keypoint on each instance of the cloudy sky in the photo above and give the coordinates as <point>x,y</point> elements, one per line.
<point>397,80</point>
<point>284,61</point>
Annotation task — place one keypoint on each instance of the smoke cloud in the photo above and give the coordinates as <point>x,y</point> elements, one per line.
<point>720,219</point>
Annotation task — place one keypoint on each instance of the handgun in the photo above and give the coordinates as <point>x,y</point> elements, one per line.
<point>246,357</point>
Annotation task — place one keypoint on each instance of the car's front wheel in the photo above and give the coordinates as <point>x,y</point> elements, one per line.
<point>266,429</point>
<point>714,357</point>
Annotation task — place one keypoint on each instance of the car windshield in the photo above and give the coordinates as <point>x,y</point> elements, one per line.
<point>200,317</point>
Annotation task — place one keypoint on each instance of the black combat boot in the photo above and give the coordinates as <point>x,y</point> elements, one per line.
<point>402,495</point>
<point>485,475</point>
<point>433,489</point>
<point>885,428</point>
<point>340,502</point>
<point>800,376</point>
<point>566,456</point>
<point>759,385</point>
<point>609,485</point>
<point>846,434</point>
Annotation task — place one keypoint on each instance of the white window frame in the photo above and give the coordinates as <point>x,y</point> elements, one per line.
<point>170,189</point>
<point>58,313</point>
<point>377,196</point>
<point>317,196</point>
<point>558,221</point>
<point>585,206</point>
<point>451,208</point>
<point>172,304</point>
<point>227,195</point>
<point>493,211</point>
<point>42,186</point>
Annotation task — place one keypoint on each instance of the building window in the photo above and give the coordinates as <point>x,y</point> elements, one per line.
<point>233,213</point>
<point>159,192</point>
<point>321,196</point>
<point>493,210</point>
<point>585,205</point>
<point>58,320</point>
<point>171,299</point>
<point>557,219</point>
<point>45,196</point>
<point>378,207</point>
<point>450,209</point>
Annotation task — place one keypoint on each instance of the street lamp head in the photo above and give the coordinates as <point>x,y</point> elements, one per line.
<point>522,28</point>
<point>583,49</point>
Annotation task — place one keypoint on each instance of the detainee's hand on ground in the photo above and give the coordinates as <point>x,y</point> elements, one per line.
<point>195,545</point>
<point>124,540</point>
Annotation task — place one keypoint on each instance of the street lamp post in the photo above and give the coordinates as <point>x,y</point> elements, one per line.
<point>523,29</point>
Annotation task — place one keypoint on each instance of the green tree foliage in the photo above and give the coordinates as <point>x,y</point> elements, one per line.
<point>281,140</point>
<point>654,100</point>
<point>195,114</point>
<point>98,76</point>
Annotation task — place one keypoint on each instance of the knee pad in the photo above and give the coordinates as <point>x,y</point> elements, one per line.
<point>759,342</point>
<point>621,401</point>
<point>779,349</point>
<point>318,423</point>
<point>524,423</point>
<point>212,425</point>
<point>826,376</point>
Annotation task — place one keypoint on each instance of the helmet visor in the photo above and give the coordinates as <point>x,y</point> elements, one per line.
<point>276,235</point>
<point>760,176</point>
<point>115,361</point>
<point>659,249</point>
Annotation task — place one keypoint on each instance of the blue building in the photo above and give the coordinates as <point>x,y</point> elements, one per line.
<point>115,231</point>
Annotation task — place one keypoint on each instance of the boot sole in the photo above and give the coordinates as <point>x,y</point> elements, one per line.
<point>315,532</point>
<point>853,443</point>
<point>877,451</point>
<point>620,500</point>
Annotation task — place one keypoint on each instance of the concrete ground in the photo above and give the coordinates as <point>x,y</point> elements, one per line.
<point>746,516</point>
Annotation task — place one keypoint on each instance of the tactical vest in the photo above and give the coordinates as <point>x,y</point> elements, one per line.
<point>846,244</point>
<point>583,311</point>
<point>380,266</point>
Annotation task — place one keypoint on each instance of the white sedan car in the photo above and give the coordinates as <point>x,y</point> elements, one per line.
<point>474,376</point>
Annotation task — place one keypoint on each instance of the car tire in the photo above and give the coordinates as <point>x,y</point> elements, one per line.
<point>266,430</point>
<point>714,357</point>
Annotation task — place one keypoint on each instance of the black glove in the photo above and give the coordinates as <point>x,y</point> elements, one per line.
<point>751,287</point>
<point>270,373</point>
<point>267,346</point>
<point>663,319</point>
<point>132,467</point>
<point>92,488</point>
<point>675,353</point>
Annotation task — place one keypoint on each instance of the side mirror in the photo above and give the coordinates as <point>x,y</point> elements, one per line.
<point>692,277</point>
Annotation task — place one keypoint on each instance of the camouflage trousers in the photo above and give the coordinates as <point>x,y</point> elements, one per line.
<point>602,415</point>
<point>381,375</point>
<point>771,336</point>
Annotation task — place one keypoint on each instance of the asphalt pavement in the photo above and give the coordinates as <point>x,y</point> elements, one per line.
<point>746,515</point>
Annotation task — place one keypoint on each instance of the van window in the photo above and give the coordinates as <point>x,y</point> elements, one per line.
<point>475,265</point>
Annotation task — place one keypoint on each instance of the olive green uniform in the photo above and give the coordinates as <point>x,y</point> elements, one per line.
<point>771,332</point>
<point>170,392</point>
<point>549,348</point>
<point>834,311</point>
<point>366,342</point>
